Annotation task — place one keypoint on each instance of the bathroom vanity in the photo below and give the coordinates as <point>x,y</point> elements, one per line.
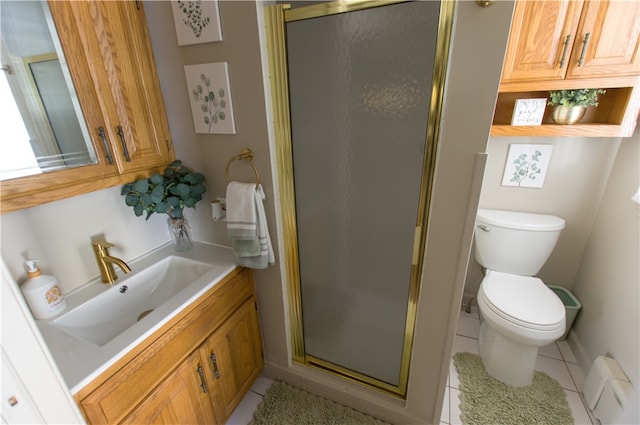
<point>190,360</point>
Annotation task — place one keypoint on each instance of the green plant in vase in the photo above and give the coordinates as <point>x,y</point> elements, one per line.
<point>168,193</point>
<point>571,105</point>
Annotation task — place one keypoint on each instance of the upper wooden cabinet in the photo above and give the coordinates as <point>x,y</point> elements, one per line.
<point>553,40</point>
<point>609,36</point>
<point>107,50</point>
<point>122,65</point>
<point>573,44</point>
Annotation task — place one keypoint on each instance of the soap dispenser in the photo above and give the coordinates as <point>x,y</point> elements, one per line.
<point>42,293</point>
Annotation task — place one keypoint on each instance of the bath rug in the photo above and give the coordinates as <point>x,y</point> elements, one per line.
<point>284,404</point>
<point>485,400</point>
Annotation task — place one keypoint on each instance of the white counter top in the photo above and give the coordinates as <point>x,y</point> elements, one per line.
<point>80,362</point>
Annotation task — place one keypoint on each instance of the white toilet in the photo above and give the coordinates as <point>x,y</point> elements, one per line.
<point>520,312</point>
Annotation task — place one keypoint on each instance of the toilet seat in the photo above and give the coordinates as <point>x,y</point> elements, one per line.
<point>522,300</point>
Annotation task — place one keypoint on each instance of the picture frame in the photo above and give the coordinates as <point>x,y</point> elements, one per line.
<point>528,112</point>
<point>210,98</point>
<point>196,21</point>
<point>527,165</point>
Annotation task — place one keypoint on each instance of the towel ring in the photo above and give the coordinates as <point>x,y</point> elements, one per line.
<point>245,155</point>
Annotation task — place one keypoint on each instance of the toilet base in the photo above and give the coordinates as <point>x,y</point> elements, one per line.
<point>508,362</point>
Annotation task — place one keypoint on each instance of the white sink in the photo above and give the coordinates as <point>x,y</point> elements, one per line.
<point>102,324</point>
<point>107,315</point>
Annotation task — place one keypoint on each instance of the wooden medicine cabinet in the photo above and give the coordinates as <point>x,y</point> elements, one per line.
<point>105,58</point>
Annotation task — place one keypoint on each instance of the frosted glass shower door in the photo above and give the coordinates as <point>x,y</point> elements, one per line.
<point>360,85</point>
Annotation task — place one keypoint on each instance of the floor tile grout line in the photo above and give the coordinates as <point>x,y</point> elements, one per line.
<point>575,384</point>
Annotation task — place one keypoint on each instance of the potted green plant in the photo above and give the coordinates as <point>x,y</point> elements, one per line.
<point>168,193</point>
<point>569,106</point>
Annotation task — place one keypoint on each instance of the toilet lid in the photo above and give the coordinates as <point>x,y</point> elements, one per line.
<point>526,300</point>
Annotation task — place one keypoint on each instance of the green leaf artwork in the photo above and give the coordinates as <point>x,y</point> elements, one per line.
<point>210,92</point>
<point>525,168</point>
<point>194,17</point>
<point>527,165</point>
<point>212,106</point>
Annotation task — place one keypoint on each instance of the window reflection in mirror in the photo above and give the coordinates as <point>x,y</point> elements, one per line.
<point>40,117</point>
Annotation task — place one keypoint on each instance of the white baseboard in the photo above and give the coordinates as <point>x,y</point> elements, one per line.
<point>584,360</point>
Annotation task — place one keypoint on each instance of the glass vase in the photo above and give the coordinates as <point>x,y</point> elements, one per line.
<point>180,233</point>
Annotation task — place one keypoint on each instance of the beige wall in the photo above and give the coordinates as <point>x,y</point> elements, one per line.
<point>608,279</point>
<point>240,48</point>
<point>573,188</point>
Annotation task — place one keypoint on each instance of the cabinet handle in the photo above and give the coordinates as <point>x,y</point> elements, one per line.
<point>564,50</point>
<point>124,144</point>
<point>585,43</point>
<point>203,384</point>
<point>106,144</point>
<point>214,362</point>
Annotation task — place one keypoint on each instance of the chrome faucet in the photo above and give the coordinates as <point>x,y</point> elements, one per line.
<point>106,262</point>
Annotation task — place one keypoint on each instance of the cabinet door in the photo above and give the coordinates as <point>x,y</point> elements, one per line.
<point>123,67</point>
<point>607,40</point>
<point>234,357</point>
<point>541,37</point>
<point>182,398</point>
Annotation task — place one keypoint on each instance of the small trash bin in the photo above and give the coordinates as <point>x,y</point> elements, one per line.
<point>571,306</point>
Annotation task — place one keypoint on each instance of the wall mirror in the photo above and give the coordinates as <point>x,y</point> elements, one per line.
<point>43,128</point>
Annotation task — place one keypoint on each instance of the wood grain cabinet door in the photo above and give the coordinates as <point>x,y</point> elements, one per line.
<point>541,40</point>
<point>118,48</point>
<point>182,398</point>
<point>234,356</point>
<point>129,79</point>
<point>607,41</point>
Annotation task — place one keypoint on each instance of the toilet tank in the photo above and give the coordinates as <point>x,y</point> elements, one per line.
<point>515,242</point>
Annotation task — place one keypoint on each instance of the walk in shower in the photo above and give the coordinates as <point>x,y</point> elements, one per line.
<point>357,93</point>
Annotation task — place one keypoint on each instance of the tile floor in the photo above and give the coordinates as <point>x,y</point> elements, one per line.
<point>556,360</point>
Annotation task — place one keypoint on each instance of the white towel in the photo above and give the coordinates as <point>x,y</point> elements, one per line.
<point>256,253</point>
<point>242,222</point>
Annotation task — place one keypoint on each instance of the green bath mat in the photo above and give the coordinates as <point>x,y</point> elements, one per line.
<point>284,404</point>
<point>485,400</point>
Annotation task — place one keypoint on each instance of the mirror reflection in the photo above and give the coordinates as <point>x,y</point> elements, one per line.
<point>42,124</point>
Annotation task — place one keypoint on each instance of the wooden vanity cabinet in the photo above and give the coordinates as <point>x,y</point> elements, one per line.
<point>108,52</point>
<point>180,399</point>
<point>195,369</point>
<point>233,360</point>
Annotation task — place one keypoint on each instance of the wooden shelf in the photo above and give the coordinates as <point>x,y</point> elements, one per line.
<point>550,130</point>
<point>615,116</point>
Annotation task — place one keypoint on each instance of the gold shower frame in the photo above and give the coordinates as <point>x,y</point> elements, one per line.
<point>276,17</point>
